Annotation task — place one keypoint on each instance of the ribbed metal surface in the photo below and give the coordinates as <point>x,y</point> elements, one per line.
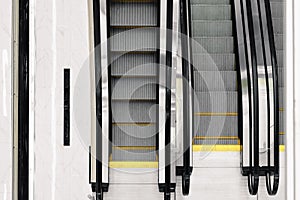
<point>212,28</point>
<point>133,111</point>
<point>277,9</point>
<point>215,81</point>
<point>133,64</point>
<point>133,155</point>
<point>133,14</point>
<point>209,12</point>
<point>210,44</point>
<point>133,79</point>
<point>137,39</point>
<point>134,88</point>
<point>210,126</point>
<point>133,135</point>
<point>212,62</point>
<point>215,73</point>
<point>211,2</point>
<point>222,101</point>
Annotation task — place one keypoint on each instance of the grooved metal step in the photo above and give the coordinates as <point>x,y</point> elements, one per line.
<point>133,14</point>
<point>211,2</point>
<point>210,44</point>
<point>212,28</point>
<point>214,62</point>
<point>216,101</point>
<point>206,12</point>
<point>141,88</point>
<point>215,81</point>
<point>137,39</point>
<point>133,79</point>
<point>133,64</point>
<point>133,111</point>
<point>134,134</point>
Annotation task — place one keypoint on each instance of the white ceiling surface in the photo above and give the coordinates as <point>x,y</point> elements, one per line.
<point>5,100</point>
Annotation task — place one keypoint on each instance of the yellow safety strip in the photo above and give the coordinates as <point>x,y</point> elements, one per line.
<point>216,114</point>
<point>130,164</point>
<point>216,137</point>
<point>224,148</point>
<point>196,148</point>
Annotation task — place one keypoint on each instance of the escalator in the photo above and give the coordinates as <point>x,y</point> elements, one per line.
<point>134,64</point>
<point>215,63</point>
<point>133,79</point>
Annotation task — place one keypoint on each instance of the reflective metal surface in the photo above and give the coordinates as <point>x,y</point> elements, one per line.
<point>162,90</point>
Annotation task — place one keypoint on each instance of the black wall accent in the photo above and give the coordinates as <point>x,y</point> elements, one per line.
<point>66,107</point>
<point>23,101</point>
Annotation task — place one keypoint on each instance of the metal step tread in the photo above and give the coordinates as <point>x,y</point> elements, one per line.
<point>212,28</point>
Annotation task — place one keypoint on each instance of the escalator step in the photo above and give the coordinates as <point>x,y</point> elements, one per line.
<point>277,9</point>
<point>279,41</point>
<point>138,39</point>
<point>216,102</point>
<point>214,62</point>
<point>212,81</point>
<point>211,2</point>
<point>215,126</point>
<point>210,12</point>
<point>278,25</point>
<point>212,28</point>
<point>133,14</point>
<point>213,45</point>
<point>133,64</point>
<point>133,111</point>
<point>217,142</point>
<point>134,88</point>
<point>134,134</point>
<point>134,154</point>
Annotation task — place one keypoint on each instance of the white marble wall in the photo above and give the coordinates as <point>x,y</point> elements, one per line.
<point>61,41</point>
<point>5,100</point>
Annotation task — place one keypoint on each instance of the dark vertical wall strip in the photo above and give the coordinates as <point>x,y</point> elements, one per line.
<point>96,16</point>
<point>23,101</point>
<point>66,107</point>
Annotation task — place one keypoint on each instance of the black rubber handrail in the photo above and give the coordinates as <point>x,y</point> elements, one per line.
<point>168,186</point>
<point>272,189</point>
<point>188,99</point>
<point>254,171</point>
<point>98,187</point>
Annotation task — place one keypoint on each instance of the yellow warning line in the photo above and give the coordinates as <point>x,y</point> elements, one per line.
<point>224,148</point>
<point>196,148</point>
<point>126,164</point>
<point>221,113</point>
<point>216,137</point>
<point>216,114</point>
